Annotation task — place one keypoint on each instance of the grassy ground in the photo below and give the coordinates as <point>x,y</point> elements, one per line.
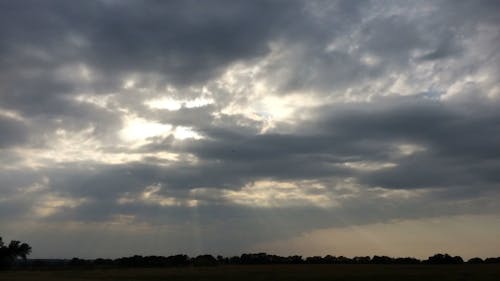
<point>269,272</point>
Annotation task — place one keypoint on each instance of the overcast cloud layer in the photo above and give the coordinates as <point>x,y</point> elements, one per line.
<point>222,126</point>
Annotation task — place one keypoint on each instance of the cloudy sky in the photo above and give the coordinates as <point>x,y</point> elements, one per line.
<point>222,127</point>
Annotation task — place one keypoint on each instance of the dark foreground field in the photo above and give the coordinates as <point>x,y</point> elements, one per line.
<point>269,272</point>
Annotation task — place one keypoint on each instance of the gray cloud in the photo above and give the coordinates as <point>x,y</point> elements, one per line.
<point>280,117</point>
<point>14,132</point>
<point>184,40</point>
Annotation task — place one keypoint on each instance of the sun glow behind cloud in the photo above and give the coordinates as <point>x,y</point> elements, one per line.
<point>152,195</point>
<point>172,104</point>
<point>269,194</point>
<point>138,129</point>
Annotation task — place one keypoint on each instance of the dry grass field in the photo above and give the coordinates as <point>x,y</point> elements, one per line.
<point>268,272</point>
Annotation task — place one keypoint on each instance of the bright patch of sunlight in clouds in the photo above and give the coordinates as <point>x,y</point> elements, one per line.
<point>410,149</point>
<point>152,195</point>
<point>369,165</point>
<point>138,129</point>
<point>51,204</point>
<point>11,114</point>
<point>183,133</point>
<point>98,100</point>
<point>172,104</point>
<point>268,194</point>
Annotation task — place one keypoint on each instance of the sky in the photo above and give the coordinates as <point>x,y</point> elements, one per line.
<point>223,127</point>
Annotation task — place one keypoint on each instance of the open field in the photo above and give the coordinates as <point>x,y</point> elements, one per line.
<point>269,272</point>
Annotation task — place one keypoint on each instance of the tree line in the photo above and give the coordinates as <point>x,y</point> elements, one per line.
<point>264,258</point>
<point>15,254</point>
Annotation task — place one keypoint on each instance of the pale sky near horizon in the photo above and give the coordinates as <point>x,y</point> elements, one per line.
<point>223,127</point>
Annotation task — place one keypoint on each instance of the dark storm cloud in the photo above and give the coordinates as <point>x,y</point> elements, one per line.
<point>184,40</point>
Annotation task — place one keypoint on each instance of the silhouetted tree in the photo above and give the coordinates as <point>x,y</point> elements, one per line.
<point>342,260</point>
<point>382,260</point>
<point>178,260</point>
<point>222,260</point>
<point>15,250</point>
<point>205,260</point>
<point>314,260</point>
<point>295,259</point>
<point>329,259</point>
<point>492,260</point>
<point>78,262</point>
<point>407,260</point>
<point>444,259</point>
<point>234,260</point>
<point>361,260</point>
<point>475,260</point>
